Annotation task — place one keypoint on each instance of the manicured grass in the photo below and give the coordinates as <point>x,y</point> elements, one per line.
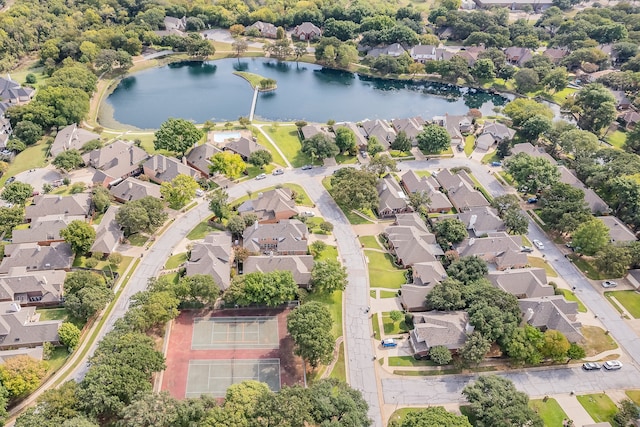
<point>334,303</point>
<point>376,326</point>
<point>33,157</point>
<point>617,139</point>
<point>391,327</point>
<point>399,414</point>
<point>313,224</point>
<point>382,272</point>
<point>201,230</point>
<point>586,267</point>
<point>339,370</point>
<point>52,313</point>
<point>373,294</point>
<point>346,159</point>
<point>469,145</point>
<point>420,174</point>
<point>526,241</point>
<point>329,253</point>
<point>540,263</point>
<point>262,140</point>
<point>599,406</point>
<point>173,277</point>
<point>388,294</point>
<point>138,239</point>
<point>253,79</point>
<point>57,359</point>
<point>289,143</point>
<point>175,261</point>
<point>629,299</point>
<point>507,178</point>
<point>596,340</point>
<point>549,410</point>
<point>409,361</point>
<point>634,395</point>
<point>369,242</point>
<point>20,76</point>
<point>253,171</point>
<point>570,296</point>
<point>561,96</point>
<point>351,216</point>
<point>491,156</point>
<point>301,196</point>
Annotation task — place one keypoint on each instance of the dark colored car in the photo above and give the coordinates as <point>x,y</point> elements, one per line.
<point>532,200</point>
<point>306,167</point>
<point>591,366</point>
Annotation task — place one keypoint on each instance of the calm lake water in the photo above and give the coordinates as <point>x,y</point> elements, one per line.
<point>201,91</point>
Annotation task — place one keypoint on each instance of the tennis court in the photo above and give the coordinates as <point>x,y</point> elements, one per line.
<point>213,377</point>
<point>217,333</point>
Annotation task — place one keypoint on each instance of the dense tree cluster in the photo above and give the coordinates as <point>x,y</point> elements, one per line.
<point>355,189</point>
<point>270,289</point>
<point>86,294</point>
<point>143,215</point>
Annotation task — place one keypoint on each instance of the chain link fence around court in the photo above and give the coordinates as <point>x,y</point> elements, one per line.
<point>213,377</point>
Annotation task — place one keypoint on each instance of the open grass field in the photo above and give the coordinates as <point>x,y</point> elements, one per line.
<point>329,253</point>
<point>596,341</point>
<point>334,303</point>
<point>629,299</point>
<point>33,157</point>
<point>634,395</point>
<point>289,142</point>
<point>59,314</point>
<point>138,239</point>
<point>201,230</point>
<point>570,296</point>
<point>550,411</point>
<point>262,140</point>
<point>540,263</point>
<point>599,406</point>
<point>382,272</point>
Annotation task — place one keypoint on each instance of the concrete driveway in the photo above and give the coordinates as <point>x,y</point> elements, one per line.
<point>38,177</point>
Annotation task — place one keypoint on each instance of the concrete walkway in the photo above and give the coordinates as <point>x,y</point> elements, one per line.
<point>253,104</point>
<point>275,146</point>
<point>575,411</point>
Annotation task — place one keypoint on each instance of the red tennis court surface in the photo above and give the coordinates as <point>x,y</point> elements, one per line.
<point>243,341</point>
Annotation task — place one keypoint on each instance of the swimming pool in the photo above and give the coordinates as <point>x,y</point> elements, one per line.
<point>223,136</point>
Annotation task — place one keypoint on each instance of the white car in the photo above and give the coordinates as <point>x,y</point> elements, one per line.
<point>307,214</point>
<point>278,172</point>
<point>538,244</point>
<point>612,365</point>
<point>609,284</point>
<point>261,176</point>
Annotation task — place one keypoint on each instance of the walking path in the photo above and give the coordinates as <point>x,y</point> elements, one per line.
<point>273,143</point>
<point>574,410</point>
<point>336,355</point>
<point>253,105</point>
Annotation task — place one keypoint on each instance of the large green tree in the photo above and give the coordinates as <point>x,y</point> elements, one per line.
<point>532,173</point>
<point>449,231</point>
<point>468,269</point>
<point>79,235</point>
<point>177,135</point>
<point>522,109</point>
<point>563,208</point>
<point>145,214</point>
<point>310,328</point>
<point>9,219</point>
<point>474,350</point>
<point>180,191</point>
<point>270,289</point>
<point>69,335</point>
<point>20,375</point>
<point>228,163</point>
<point>17,192</point>
<point>28,132</point>
<point>328,276</point>
<point>433,139</point>
<point>596,107</point>
<point>525,345</point>
<point>346,140</point>
<point>319,147</point>
<point>218,204</point>
<point>355,189</point>
<point>555,345</point>
<point>590,237</point>
<point>431,417</point>
<point>614,261</point>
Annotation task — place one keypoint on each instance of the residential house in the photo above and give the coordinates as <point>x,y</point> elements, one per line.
<point>19,327</point>
<point>482,220</point>
<point>286,237</point>
<point>271,206</point>
<point>134,189</point>
<point>108,233</point>
<point>12,93</point>
<point>245,147</point>
<point>537,5</point>
<point>634,278</point>
<point>392,199</point>
<point>423,53</point>
<point>622,101</point>
<point>556,55</point>
<point>517,55</point>
<point>312,130</point>
<point>460,189</point>
<point>470,54</point>
<point>410,240</point>
<point>265,29</point>
<point>595,202</point>
<point>71,138</point>
<point>522,283</point>
<point>411,127</point>
<point>299,265</point>
<point>500,249</point>
<point>306,31</point>
<point>384,133</point>
<point>115,162</point>
<point>493,132</point>
<point>175,24</point>
<point>629,119</point>
<point>45,205</point>
<point>161,169</point>
<point>426,275</point>
<point>44,230</point>
<point>394,50</point>
<point>361,141</point>
<point>618,231</point>
<point>56,256</point>
<point>552,312</point>
<point>456,126</point>
<point>198,158</point>
<point>435,328</point>
<point>213,256</point>
<point>42,288</point>
<point>36,353</point>
<point>413,184</point>
<point>528,148</point>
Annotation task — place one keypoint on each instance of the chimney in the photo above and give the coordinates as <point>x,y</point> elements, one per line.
<point>184,160</point>
<point>472,241</point>
<point>472,220</point>
<point>15,307</point>
<point>255,225</point>
<point>130,185</point>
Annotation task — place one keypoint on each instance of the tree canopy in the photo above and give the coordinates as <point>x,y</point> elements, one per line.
<point>355,189</point>
<point>310,328</point>
<point>328,276</point>
<point>180,191</point>
<point>430,417</point>
<point>532,173</point>
<point>17,192</point>
<point>270,289</point>
<point>177,135</point>
<point>68,160</point>
<point>433,139</point>
<point>228,163</point>
<point>79,235</point>
<point>146,214</point>
<point>320,147</point>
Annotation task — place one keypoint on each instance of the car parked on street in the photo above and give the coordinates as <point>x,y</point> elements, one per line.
<point>612,365</point>
<point>278,172</point>
<point>306,167</point>
<point>538,244</point>
<point>526,249</point>
<point>609,284</point>
<point>261,176</point>
<point>591,366</point>
<point>307,214</point>
<point>496,163</point>
<point>532,200</point>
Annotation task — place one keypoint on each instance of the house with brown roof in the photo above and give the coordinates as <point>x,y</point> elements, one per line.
<point>618,231</point>
<point>306,31</point>
<point>629,119</point>
<point>44,230</point>
<point>518,55</point>
<point>265,29</point>
<point>556,54</point>
<point>552,312</point>
<point>20,327</point>
<point>213,256</point>
<point>392,200</point>
<point>522,283</point>
<point>134,189</point>
<point>460,189</point>
<point>271,206</point>
<point>500,249</point>
<point>245,147</point>
<point>411,242</point>
<point>595,202</point>
<point>71,138</point>
<point>46,205</point>
<point>311,130</point>
<point>299,265</point>
<point>528,148</point>
<point>286,237</point>
<point>411,126</point>
<point>412,183</point>
<point>361,140</point>
<point>198,157</point>
<point>160,169</point>
<point>426,275</point>
<point>481,220</point>
<point>41,288</point>
<point>56,256</point>
<point>115,162</point>
<point>493,132</point>
<point>108,233</point>
<point>434,328</point>
<point>384,133</point>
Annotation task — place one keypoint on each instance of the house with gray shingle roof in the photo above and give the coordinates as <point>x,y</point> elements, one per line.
<point>13,93</point>
<point>44,230</point>
<point>413,184</point>
<point>39,288</point>
<point>46,205</point>
<point>286,237</point>
<point>392,200</point>
<point>108,233</point>
<point>493,132</point>
<point>299,265</point>
<point>552,312</point>
<point>411,243</point>
<point>384,133</point>
<point>265,29</point>
<point>556,54</point>
<point>426,275</point>
<point>198,157</point>
<point>497,248</point>
<point>56,256</point>
<point>482,220</point>
<point>522,283</point>
<point>618,231</point>
<point>71,138</point>
<point>423,53</point>
<point>271,206</point>
<point>19,327</point>
<point>528,148</point>
<point>433,328</point>
<point>306,31</point>
<point>36,353</point>
<point>134,189</point>
<point>411,127</point>
<point>213,256</point>
<point>518,55</point>
<point>115,162</point>
<point>595,202</point>
<point>460,189</point>
<point>160,168</point>
<point>311,130</point>
<point>245,147</point>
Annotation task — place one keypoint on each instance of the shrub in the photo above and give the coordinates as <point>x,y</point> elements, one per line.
<point>440,355</point>
<point>91,263</point>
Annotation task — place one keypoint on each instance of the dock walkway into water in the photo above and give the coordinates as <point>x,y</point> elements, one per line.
<point>253,104</point>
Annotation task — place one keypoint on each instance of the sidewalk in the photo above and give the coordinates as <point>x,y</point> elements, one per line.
<point>575,411</point>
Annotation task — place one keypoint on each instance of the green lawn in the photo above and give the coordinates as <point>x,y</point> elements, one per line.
<point>469,145</point>
<point>617,139</point>
<point>369,242</point>
<point>376,326</point>
<point>561,96</point>
<point>491,156</point>
<point>339,370</point>
<point>629,299</point>
<point>596,340</point>
<point>586,267</point>
<point>262,140</point>
<point>346,159</point>
<point>33,157</point>
<point>20,76</point>
<point>334,303</point>
<point>138,239</point>
<point>599,406</point>
<point>253,79</point>
<point>253,171</point>
<point>382,272</point>
<point>571,296</point>
<point>175,261</point>
<point>289,143</point>
<point>634,395</point>
<point>352,217</point>
<point>59,314</point>
<point>58,357</point>
<point>540,263</point>
<point>301,196</point>
<point>201,230</point>
<point>388,294</point>
<point>399,414</point>
<point>391,327</point>
<point>409,361</point>
<point>550,411</point>
<point>330,252</point>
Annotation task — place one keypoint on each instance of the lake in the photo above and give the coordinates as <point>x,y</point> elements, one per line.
<point>201,91</point>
